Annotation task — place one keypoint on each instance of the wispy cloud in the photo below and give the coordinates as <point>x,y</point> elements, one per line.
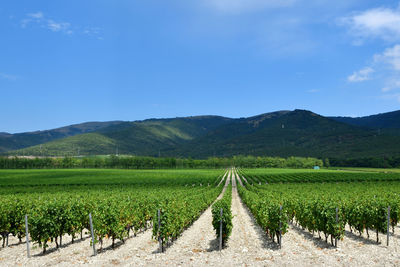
<point>361,75</point>
<point>240,6</point>
<point>387,64</point>
<point>54,25</point>
<point>93,32</point>
<point>37,15</point>
<point>390,56</point>
<point>9,77</point>
<point>391,85</point>
<point>382,23</point>
<point>390,61</point>
<point>59,26</point>
<point>44,22</point>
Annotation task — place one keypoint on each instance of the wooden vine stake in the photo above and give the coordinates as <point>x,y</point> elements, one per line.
<point>92,233</point>
<point>159,236</point>
<point>27,236</point>
<point>280,227</point>
<point>337,221</point>
<point>388,226</point>
<point>220,230</point>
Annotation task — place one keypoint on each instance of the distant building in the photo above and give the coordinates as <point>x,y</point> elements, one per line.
<point>316,168</point>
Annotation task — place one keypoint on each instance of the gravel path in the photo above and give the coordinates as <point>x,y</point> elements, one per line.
<point>80,253</point>
<point>197,246</point>
<point>247,237</point>
<point>238,179</point>
<point>223,177</point>
<point>198,241</point>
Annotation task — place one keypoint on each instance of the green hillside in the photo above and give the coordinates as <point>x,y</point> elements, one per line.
<point>22,140</point>
<point>282,133</point>
<point>296,133</point>
<point>83,144</point>
<point>148,137</point>
<point>389,120</point>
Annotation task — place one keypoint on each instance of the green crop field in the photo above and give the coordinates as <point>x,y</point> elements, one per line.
<point>322,201</point>
<point>69,177</point>
<point>385,170</point>
<point>58,202</point>
<point>314,176</point>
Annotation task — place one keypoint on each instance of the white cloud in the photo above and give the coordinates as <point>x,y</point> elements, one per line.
<point>390,56</point>
<point>53,25</point>
<point>58,26</point>
<point>9,77</point>
<point>32,17</point>
<point>361,75</point>
<point>37,15</point>
<point>239,6</point>
<point>390,62</point>
<point>378,23</point>
<point>382,23</point>
<point>391,85</point>
<point>92,31</point>
<point>40,19</point>
<point>387,66</point>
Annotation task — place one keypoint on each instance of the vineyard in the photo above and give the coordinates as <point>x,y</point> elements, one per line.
<point>362,201</point>
<point>222,216</point>
<point>266,176</point>
<point>126,203</point>
<point>167,212</point>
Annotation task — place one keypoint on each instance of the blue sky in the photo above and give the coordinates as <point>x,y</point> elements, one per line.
<point>65,62</point>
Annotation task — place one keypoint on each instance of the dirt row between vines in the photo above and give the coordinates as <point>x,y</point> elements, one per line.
<point>197,246</point>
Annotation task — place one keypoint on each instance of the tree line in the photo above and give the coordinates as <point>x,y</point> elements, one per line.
<point>368,162</point>
<point>141,162</point>
<point>138,162</point>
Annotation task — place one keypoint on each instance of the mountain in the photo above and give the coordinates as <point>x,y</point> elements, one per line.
<point>281,133</point>
<point>389,120</point>
<point>295,133</point>
<point>22,140</point>
<point>148,137</point>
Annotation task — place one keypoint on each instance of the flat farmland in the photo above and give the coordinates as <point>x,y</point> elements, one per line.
<point>328,217</point>
<point>69,177</point>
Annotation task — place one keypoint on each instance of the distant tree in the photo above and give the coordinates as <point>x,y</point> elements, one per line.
<point>326,163</point>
